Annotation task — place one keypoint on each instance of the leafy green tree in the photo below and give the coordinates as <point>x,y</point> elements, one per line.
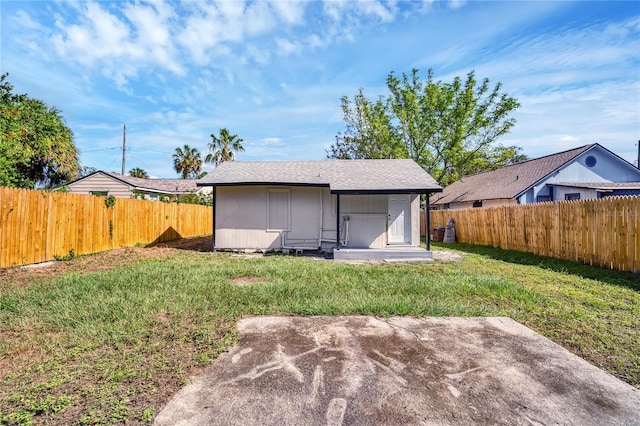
<point>450,129</point>
<point>494,158</point>
<point>139,173</point>
<point>222,148</point>
<point>187,162</point>
<point>36,146</point>
<point>369,132</point>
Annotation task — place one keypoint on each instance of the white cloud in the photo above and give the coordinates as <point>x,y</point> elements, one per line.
<point>259,19</point>
<point>272,141</point>
<point>291,12</point>
<point>348,11</point>
<point>259,55</point>
<point>287,47</point>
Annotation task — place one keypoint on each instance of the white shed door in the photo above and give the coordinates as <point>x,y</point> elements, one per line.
<point>399,219</point>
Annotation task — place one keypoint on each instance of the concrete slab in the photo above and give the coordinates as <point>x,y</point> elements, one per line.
<point>389,254</point>
<point>401,371</point>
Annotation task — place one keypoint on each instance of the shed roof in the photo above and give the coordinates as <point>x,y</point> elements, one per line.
<point>341,176</point>
<point>506,182</point>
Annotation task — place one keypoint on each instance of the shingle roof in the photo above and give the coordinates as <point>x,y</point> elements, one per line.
<point>174,186</point>
<point>506,182</point>
<point>339,175</point>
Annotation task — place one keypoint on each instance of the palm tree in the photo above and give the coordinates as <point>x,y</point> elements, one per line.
<point>139,173</point>
<point>222,148</point>
<point>187,161</point>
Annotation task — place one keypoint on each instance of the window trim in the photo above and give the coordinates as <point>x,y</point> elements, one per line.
<point>288,225</point>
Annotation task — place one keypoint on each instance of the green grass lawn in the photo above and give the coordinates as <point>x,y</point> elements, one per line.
<point>112,346</point>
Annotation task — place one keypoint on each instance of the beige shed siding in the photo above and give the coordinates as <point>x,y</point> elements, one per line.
<point>367,219</point>
<point>367,230</point>
<point>328,215</point>
<point>415,220</point>
<point>100,182</point>
<point>241,219</point>
<point>305,213</point>
<point>242,216</point>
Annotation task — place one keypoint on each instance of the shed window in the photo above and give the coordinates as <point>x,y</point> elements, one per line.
<point>477,203</point>
<point>99,193</point>
<point>572,196</point>
<point>278,209</point>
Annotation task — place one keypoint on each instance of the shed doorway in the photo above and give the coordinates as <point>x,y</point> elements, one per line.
<point>399,226</point>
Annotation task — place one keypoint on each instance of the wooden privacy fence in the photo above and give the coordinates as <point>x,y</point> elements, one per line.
<point>36,226</point>
<point>604,232</point>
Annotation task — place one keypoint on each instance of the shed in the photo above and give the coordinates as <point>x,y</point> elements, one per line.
<point>325,204</point>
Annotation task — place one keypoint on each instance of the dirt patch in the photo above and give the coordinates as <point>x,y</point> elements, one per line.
<point>31,274</point>
<point>447,256</point>
<point>244,281</point>
<point>201,244</point>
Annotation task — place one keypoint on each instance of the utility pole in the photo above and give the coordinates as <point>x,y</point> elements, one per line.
<point>124,142</point>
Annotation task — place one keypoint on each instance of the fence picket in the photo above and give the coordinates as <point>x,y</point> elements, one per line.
<point>36,226</point>
<point>604,232</point>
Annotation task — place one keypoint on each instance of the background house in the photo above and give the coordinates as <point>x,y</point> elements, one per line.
<point>281,205</point>
<point>590,171</point>
<point>120,186</point>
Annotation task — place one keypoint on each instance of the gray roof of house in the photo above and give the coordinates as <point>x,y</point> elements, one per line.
<point>173,186</point>
<point>506,182</point>
<point>339,175</point>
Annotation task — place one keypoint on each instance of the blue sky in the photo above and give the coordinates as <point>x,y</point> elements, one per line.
<point>273,72</point>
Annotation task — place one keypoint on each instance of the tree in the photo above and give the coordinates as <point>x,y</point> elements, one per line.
<point>187,161</point>
<point>450,129</point>
<point>36,146</point>
<point>139,173</point>
<point>369,132</point>
<point>222,148</point>
<point>86,171</point>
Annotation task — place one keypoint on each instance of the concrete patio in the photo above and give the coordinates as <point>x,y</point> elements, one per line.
<point>400,371</point>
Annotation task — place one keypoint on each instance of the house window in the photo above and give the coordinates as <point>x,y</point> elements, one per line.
<point>543,198</point>
<point>278,209</point>
<point>99,193</point>
<point>477,203</point>
<point>590,161</point>
<point>447,206</point>
<point>572,196</point>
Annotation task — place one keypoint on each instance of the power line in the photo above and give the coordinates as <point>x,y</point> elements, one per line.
<point>82,151</point>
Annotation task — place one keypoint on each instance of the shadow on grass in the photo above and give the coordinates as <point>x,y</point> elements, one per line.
<point>613,277</point>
